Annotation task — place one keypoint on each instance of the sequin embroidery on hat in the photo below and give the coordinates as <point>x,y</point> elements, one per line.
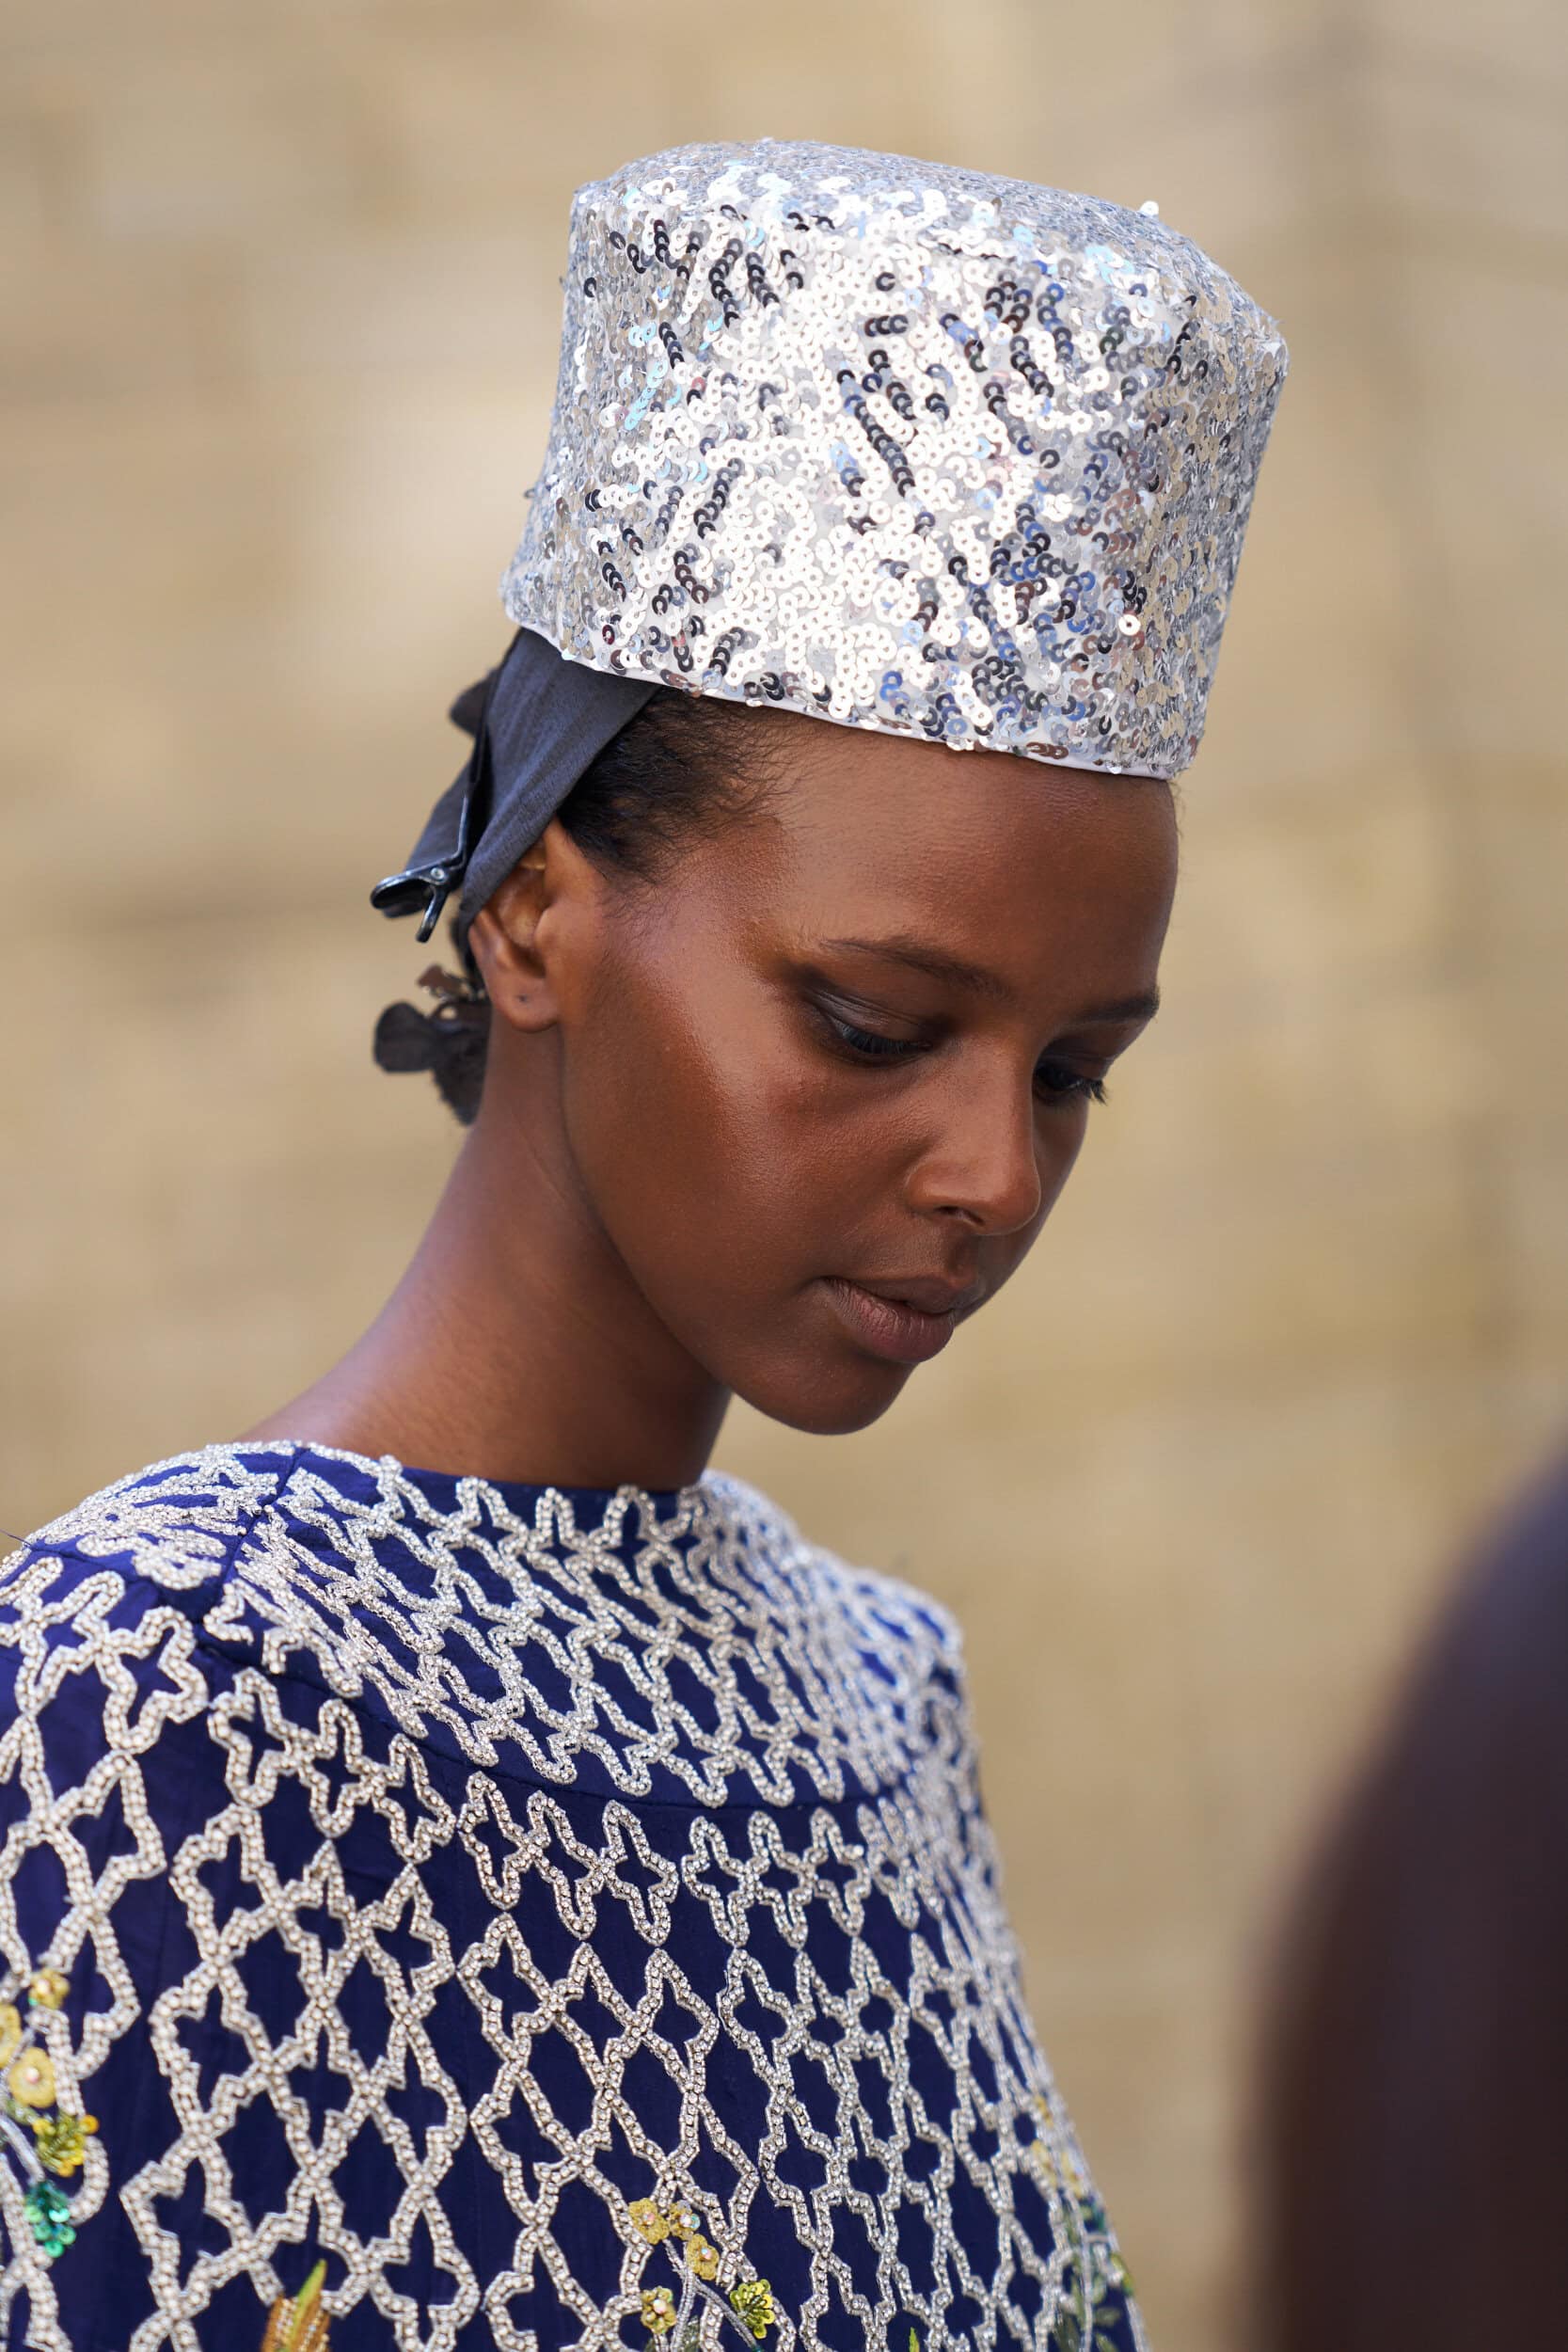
<point>900,446</point>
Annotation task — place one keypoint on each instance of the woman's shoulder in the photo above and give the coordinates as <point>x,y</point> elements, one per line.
<point>884,1606</point>
<point>171,1531</point>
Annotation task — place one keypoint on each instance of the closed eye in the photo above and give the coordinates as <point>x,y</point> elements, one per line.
<point>1055,1081</point>
<point>867,1045</point>
<point>1059,1082</point>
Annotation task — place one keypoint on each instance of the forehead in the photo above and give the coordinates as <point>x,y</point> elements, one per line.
<point>982,852</point>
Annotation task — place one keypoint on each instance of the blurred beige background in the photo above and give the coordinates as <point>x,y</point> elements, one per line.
<point>279,341</point>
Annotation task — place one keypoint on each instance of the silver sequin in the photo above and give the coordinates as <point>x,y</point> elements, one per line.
<point>900,446</point>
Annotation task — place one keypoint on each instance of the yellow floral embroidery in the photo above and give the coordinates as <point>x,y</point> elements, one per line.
<point>658,2311</point>
<point>650,2220</point>
<point>31,2080</point>
<point>28,2091</point>
<point>1052,2156</point>
<point>748,2305</point>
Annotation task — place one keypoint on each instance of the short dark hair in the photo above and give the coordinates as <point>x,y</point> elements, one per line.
<point>675,770</point>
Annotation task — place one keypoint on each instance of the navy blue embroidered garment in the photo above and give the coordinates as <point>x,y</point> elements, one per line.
<point>567,1917</point>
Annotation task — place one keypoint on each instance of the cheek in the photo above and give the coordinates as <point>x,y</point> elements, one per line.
<point>1063,1138</point>
<point>700,1141</point>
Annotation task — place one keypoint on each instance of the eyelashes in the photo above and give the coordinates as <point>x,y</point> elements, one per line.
<point>1055,1080</point>
<point>867,1047</point>
<point>1062,1083</point>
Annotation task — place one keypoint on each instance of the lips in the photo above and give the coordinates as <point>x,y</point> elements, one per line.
<point>930,1295</point>
<point>903,1322</point>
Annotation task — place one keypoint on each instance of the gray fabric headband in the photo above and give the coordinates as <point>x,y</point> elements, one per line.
<point>538,723</point>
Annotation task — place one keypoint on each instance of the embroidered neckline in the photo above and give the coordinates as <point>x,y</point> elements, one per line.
<point>699,1654</point>
<point>517,1495</point>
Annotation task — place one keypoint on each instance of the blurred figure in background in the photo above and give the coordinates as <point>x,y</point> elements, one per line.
<point>1415,2164</point>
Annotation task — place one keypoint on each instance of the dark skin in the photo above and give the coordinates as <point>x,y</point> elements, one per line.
<point>770,1123</point>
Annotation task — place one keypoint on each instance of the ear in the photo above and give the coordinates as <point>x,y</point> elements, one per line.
<point>531,930</point>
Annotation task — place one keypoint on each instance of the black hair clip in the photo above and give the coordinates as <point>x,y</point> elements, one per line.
<point>403,894</point>
<point>430,884</point>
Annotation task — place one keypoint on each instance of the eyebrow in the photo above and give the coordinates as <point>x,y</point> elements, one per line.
<point>915,956</point>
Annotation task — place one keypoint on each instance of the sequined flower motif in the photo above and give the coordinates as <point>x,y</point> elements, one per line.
<point>28,2090</point>
<point>48,2212</point>
<point>748,2306</point>
<point>62,2139</point>
<point>658,2311</point>
<point>650,2220</point>
<point>31,2080</point>
<point>753,2302</point>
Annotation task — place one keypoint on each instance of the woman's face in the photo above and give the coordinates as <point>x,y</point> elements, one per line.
<point>823,1081</point>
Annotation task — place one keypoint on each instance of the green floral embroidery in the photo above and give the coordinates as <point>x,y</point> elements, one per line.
<point>678,2226</point>
<point>39,2135</point>
<point>47,2209</point>
<point>753,2302</point>
<point>297,2323</point>
<point>1097,2283</point>
<point>61,2140</point>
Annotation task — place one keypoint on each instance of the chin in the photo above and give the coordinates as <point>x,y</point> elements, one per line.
<point>832,1406</point>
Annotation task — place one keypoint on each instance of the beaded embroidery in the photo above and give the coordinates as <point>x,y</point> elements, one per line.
<point>465,1881</point>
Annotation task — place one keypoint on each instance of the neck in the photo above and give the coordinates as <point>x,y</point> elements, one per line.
<point>516,1347</point>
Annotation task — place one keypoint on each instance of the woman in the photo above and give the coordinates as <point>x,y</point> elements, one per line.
<point>1414,2184</point>
<point>492,1883</point>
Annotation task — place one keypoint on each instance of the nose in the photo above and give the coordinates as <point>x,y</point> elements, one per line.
<point>984,1162</point>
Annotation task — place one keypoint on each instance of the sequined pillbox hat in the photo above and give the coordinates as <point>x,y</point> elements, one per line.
<point>901,446</point>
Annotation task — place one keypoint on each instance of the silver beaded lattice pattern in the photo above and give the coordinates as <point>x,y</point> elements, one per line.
<point>437,1876</point>
<point>900,446</point>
